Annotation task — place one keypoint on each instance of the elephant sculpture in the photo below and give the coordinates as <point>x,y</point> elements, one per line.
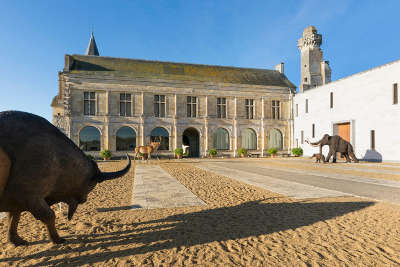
<point>336,144</point>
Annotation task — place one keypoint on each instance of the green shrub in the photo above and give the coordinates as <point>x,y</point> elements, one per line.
<point>90,156</point>
<point>297,151</point>
<point>242,151</point>
<point>272,151</point>
<point>178,151</point>
<point>105,154</point>
<point>212,152</point>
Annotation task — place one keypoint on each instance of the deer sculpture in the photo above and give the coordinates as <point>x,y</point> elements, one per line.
<point>147,150</point>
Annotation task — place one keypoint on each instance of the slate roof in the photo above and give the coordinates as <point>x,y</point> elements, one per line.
<point>92,47</point>
<point>176,71</point>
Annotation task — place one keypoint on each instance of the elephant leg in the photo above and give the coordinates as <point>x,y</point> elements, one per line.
<point>334,158</point>
<point>41,211</point>
<point>329,156</point>
<point>353,157</point>
<point>13,237</point>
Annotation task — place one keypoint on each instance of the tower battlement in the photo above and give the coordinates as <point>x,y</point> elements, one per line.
<point>314,70</point>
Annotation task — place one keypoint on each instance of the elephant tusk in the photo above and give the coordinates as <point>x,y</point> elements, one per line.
<point>311,144</point>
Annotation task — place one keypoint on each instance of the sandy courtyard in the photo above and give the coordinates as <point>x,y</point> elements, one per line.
<point>241,225</point>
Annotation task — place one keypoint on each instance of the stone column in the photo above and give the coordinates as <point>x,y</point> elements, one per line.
<point>205,127</point>
<point>205,150</point>
<point>141,123</point>
<point>175,126</point>
<point>235,133</point>
<point>262,127</point>
<point>107,135</point>
<point>107,103</point>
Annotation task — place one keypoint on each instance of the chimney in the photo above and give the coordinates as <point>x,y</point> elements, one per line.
<point>280,67</point>
<point>68,62</point>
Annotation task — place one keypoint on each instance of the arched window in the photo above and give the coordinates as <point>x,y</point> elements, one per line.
<point>126,139</point>
<point>221,139</point>
<point>160,133</point>
<point>249,139</point>
<point>275,139</point>
<point>89,139</point>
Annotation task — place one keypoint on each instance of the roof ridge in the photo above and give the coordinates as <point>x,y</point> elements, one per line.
<point>172,62</point>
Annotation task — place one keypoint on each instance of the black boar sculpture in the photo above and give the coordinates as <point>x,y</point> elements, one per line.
<point>40,166</point>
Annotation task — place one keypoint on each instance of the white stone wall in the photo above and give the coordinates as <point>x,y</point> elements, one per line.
<point>366,101</point>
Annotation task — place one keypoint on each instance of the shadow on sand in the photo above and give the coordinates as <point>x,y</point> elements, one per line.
<point>220,224</point>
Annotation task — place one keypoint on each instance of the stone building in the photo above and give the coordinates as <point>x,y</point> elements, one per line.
<point>118,104</point>
<point>363,108</point>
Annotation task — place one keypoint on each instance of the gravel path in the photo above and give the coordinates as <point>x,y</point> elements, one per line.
<point>242,225</point>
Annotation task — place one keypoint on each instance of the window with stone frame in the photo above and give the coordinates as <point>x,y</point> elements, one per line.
<point>313,130</point>
<point>249,104</point>
<point>221,107</point>
<point>89,103</point>
<point>125,104</point>
<point>276,110</point>
<point>306,105</point>
<point>191,106</point>
<point>159,106</point>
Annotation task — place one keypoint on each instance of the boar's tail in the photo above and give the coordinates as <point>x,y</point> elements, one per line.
<point>5,166</point>
<point>112,175</point>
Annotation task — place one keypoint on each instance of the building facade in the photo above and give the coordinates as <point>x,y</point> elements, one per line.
<point>362,108</point>
<point>118,104</point>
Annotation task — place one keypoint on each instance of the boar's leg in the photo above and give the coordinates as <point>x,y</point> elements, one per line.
<point>41,211</point>
<point>72,205</point>
<point>13,237</point>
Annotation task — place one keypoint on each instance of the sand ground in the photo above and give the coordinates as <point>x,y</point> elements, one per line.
<point>241,225</point>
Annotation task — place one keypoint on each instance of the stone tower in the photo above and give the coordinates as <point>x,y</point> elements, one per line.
<point>314,70</point>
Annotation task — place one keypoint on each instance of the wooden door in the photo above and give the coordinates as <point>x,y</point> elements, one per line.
<point>344,131</point>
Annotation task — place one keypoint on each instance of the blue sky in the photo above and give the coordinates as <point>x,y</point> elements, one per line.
<point>35,35</point>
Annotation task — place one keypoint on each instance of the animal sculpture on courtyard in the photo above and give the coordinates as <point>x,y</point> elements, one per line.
<point>147,150</point>
<point>40,166</point>
<point>185,149</point>
<point>336,144</point>
<point>318,157</point>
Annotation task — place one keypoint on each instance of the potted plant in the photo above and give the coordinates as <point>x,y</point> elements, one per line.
<point>90,156</point>
<point>272,151</point>
<point>242,152</point>
<point>105,154</point>
<point>297,151</point>
<point>178,152</point>
<point>141,155</point>
<point>212,152</point>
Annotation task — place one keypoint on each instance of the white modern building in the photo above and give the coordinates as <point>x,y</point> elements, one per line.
<point>362,108</point>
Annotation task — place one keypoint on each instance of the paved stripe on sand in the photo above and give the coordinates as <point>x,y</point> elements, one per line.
<point>155,188</point>
<point>290,189</point>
